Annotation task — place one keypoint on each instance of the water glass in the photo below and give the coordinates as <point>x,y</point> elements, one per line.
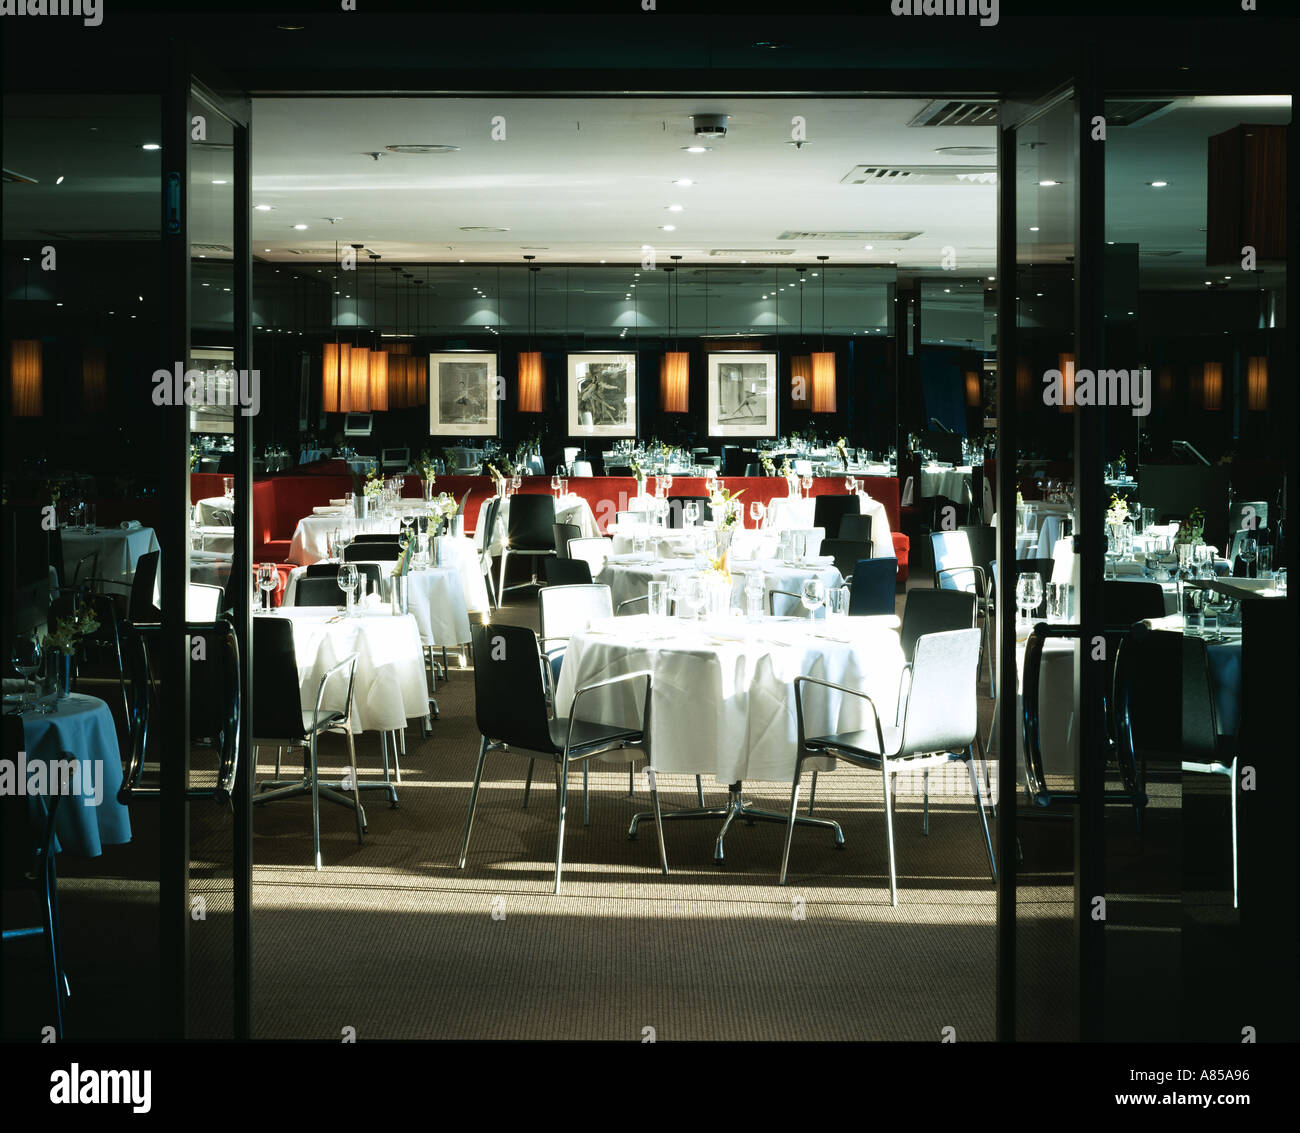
<point>657,589</point>
<point>754,590</point>
<point>1194,606</point>
<point>228,487</point>
<point>89,516</point>
<point>756,512</point>
<point>268,578</point>
<point>25,657</point>
<point>812,593</point>
<point>837,603</point>
<point>1060,602</point>
<point>1279,580</point>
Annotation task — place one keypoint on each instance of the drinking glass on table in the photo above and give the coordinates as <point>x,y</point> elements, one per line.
<point>89,516</point>
<point>812,593</point>
<point>557,485</point>
<point>347,579</point>
<point>26,659</point>
<point>850,484</point>
<point>516,482</point>
<point>691,595</point>
<point>667,481</point>
<point>691,513</point>
<point>754,589</point>
<point>1248,553</point>
<point>228,487</point>
<point>805,482</point>
<point>1029,592</point>
<point>407,519</point>
<point>756,513</point>
<point>837,603</point>
<point>1279,580</point>
<point>657,592</point>
<point>268,578</point>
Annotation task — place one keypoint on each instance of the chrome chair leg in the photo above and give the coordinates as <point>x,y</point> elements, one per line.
<point>278,752</point>
<point>559,835</point>
<point>1232,808</point>
<point>528,783</point>
<point>979,804</point>
<point>473,799</point>
<point>659,818</point>
<point>789,829</point>
<point>586,797</point>
<point>812,793</point>
<point>356,788</point>
<point>399,741</point>
<point>501,586</point>
<point>889,834</point>
<point>699,789</point>
<point>315,801</point>
<point>925,804</point>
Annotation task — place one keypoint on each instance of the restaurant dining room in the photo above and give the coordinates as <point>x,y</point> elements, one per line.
<point>659,530</point>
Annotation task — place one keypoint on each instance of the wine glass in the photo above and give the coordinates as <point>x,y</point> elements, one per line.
<point>850,484</point>
<point>268,578</point>
<point>26,659</point>
<point>1248,553</point>
<point>691,513</point>
<point>756,513</point>
<point>691,596</point>
<point>516,482</point>
<point>347,579</point>
<point>564,485</point>
<point>556,485</point>
<point>812,593</point>
<point>1029,592</point>
<point>407,519</point>
<point>805,481</point>
<point>667,482</point>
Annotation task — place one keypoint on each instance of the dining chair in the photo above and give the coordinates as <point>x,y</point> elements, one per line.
<point>510,710</point>
<point>279,720</point>
<point>829,511</point>
<point>375,537</point>
<point>489,523</point>
<point>27,823</point>
<point>1165,709</point>
<point>677,510</point>
<point>875,582</point>
<point>372,572</point>
<point>563,533</point>
<point>565,572</point>
<point>847,553</point>
<point>318,592</point>
<point>566,609</point>
<point>855,526</point>
<point>530,530</point>
<point>140,607</point>
<point>940,724</point>
<point>592,551</point>
<point>386,552</point>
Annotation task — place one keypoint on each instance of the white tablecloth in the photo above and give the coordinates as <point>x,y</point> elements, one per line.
<point>310,537</point>
<point>206,507</point>
<point>210,567</point>
<point>219,539</point>
<point>390,683</point>
<point>745,542</point>
<point>119,550</point>
<point>785,511</point>
<point>723,700</point>
<point>568,509</point>
<point>947,482</point>
<point>81,729</point>
<point>631,579</point>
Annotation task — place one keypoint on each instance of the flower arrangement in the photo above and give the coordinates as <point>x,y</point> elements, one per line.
<point>769,468</point>
<point>53,491</point>
<point>1192,529</point>
<point>498,480</point>
<point>634,465</point>
<point>403,563</point>
<point>444,506</point>
<point>787,469</point>
<point>727,508</point>
<point>71,629</point>
<point>374,485</point>
<point>1117,512</point>
<point>427,467</point>
<point>841,446</point>
<point>194,458</point>
<point>718,569</point>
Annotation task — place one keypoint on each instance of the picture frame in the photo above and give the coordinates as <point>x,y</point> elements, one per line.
<point>463,394</point>
<point>602,395</point>
<point>741,394</point>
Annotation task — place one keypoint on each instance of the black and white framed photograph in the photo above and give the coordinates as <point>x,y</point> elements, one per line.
<point>742,394</point>
<point>463,394</point>
<point>602,395</point>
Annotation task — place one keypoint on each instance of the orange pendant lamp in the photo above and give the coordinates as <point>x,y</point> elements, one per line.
<point>675,382</point>
<point>822,363</point>
<point>378,380</point>
<point>26,377</point>
<point>360,379</point>
<point>94,380</point>
<point>419,387</point>
<point>1257,384</point>
<point>1212,385</point>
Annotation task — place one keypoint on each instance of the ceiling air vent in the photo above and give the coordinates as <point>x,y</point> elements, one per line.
<point>751,251</point>
<point>958,112</point>
<point>921,175</point>
<point>226,248</point>
<point>103,234</point>
<point>869,237</point>
<point>1131,111</point>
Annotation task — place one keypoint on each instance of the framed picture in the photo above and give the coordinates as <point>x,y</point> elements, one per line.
<point>463,394</point>
<point>742,394</point>
<point>602,395</point>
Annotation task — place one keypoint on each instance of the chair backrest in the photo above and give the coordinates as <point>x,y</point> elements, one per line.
<point>215,699</point>
<point>909,490</point>
<point>375,537</point>
<point>564,572</point>
<point>372,572</point>
<point>372,552</point>
<point>202,602</point>
<point>934,611</point>
<point>530,524</point>
<point>277,710</point>
<point>952,549</point>
<point>563,611</point>
<point>941,709</point>
<point>593,552</point>
<point>829,510</point>
<point>140,607</point>
<point>563,533</point>
<point>1164,702</point>
<point>733,460</point>
<point>509,694</point>
<point>677,505</point>
<point>582,468</point>
<point>854,526</point>
<point>318,592</point>
<point>1124,602</point>
<point>983,543</point>
<point>847,553</point>
<point>874,583</point>
<point>752,469</point>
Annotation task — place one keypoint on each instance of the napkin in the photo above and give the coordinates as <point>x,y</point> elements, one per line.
<point>323,510</point>
<point>338,503</point>
<point>130,525</point>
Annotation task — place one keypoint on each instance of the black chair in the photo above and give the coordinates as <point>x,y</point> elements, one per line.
<point>566,572</point>
<point>510,708</point>
<point>563,533</point>
<point>28,833</point>
<point>618,470</point>
<point>530,530</point>
<point>280,720</point>
<point>318,592</point>
<point>1124,603</point>
<point>847,553</point>
<point>1165,709</point>
<point>677,504</point>
<point>733,460</point>
<point>372,552</point>
<point>372,572</point>
<point>829,510</point>
<point>140,607</point>
<point>934,611</point>
<point>874,584</point>
<point>485,554</point>
<point>375,537</point>
<point>754,470</point>
<point>983,542</point>
<point>854,526</point>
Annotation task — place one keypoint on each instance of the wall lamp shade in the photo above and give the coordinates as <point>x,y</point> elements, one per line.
<point>25,374</point>
<point>1257,384</point>
<point>1212,385</point>
<point>418,387</point>
<point>532,382</point>
<point>398,348</point>
<point>335,383</point>
<point>675,382</point>
<point>94,380</point>
<point>1024,383</point>
<point>801,378</point>
<point>378,380</point>
<point>1065,363</point>
<point>398,365</point>
<point>1165,382</point>
<point>359,398</point>
<point>973,393</point>
<point>823,382</point>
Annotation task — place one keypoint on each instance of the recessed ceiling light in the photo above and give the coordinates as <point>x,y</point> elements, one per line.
<point>299,227</point>
<point>602,261</point>
<point>697,149</point>
<point>1157,184</point>
<point>1033,228</point>
<point>1048,184</point>
<point>59,180</point>
<point>263,208</point>
<point>685,182</point>
<point>868,247</point>
<point>460,261</point>
<point>151,146</point>
<point>221,182</point>
<point>289,27</point>
<point>668,228</point>
<point>422,148</point>
<point>266,249</point>
<point>674,208</point>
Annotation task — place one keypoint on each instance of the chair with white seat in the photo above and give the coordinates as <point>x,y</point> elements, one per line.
<point>939,725</point>
<point>582,468</point>
<point>202,602</point>
<point>955,569</point>
<point>593,551</point>
<point>510,707</point>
